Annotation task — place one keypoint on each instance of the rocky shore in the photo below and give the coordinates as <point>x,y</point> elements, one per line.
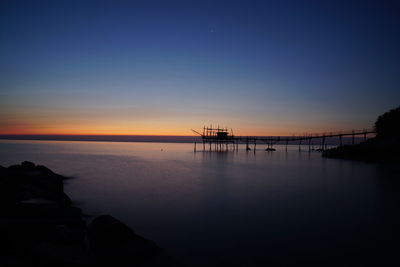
<point>39,225</point>
<point>384,147</point>
<point>373,150</point>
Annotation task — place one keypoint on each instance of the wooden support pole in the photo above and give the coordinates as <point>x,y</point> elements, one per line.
<point>230,142</point>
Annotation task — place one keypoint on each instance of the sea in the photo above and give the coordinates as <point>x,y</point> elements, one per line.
<point>232,208</point>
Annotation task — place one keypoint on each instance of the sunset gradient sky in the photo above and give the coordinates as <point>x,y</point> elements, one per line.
<point>164,67</point>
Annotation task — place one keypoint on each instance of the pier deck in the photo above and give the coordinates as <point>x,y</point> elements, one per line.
<point>222,139</point>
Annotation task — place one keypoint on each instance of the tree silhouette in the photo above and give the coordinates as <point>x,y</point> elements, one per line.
<point>388,124</point>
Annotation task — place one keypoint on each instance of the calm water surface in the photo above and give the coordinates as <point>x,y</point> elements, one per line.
<point>235,208</point>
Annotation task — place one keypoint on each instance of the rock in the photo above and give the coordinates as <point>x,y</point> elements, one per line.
<point>114,242</point>
<point>383,148</point>
<point>46,171</point>
<point>51,183</point>
<point>59,253</point>
<point>71,233</point>
<point>38,225</point>
<point>27,165</point>
<point>26,181</point>
<point>372,150</point>
<point>110,230</point>
<point>29,191</point>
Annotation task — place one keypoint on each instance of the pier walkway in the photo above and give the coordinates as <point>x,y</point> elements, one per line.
<point>222,139</point>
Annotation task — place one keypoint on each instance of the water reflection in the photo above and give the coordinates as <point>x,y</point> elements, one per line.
<point>216,183</point>
<point>233,207</point>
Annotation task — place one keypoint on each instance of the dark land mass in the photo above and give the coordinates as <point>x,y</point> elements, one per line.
<point>372,150</point>
<point>39,225</point>
<point>385,147</point>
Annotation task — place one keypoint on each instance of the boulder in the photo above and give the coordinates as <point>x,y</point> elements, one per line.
<point>26,181</point>
<point>39,225</point>
<point>114,242</point>
<point>56,253</point>
<point>46,171</point>
<point>27,165</point>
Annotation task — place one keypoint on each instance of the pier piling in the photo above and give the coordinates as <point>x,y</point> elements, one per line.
<point>222,139</point>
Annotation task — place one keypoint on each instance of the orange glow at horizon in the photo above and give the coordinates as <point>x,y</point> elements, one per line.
<point>22,122</point>
<point>268,71</point>
<point>144,129</point>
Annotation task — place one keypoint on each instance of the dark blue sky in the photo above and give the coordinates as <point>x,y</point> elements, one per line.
<point>163,67</point>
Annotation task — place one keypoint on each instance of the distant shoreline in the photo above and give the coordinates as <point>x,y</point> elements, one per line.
<point>142,138</point>
<point>105,138</point>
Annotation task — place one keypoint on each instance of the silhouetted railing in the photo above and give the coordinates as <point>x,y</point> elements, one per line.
<point>223,139</point>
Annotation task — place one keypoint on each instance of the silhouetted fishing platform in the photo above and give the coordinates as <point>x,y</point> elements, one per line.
<point>221,139</point>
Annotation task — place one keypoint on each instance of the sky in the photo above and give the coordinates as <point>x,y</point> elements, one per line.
<point>165,67</point>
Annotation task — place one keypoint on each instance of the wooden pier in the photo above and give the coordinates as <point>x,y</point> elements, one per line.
<point>221,139</point>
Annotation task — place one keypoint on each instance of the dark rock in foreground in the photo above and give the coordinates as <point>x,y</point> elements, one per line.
<point>115,242</point>
<point>39,225</point>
